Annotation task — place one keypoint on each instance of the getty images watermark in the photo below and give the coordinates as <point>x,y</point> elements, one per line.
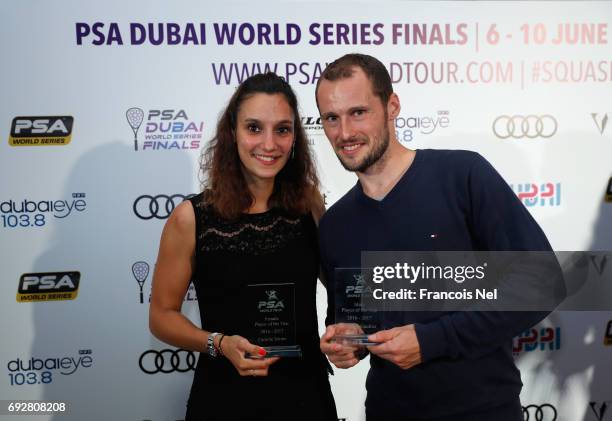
<point>476,281</point>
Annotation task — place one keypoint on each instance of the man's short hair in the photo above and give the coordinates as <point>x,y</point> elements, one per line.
<point>375,71</point>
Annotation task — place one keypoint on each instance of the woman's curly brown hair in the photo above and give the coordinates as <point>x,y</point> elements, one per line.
<point>296,186</point>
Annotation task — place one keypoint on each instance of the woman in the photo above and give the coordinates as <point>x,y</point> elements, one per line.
<point>252,225</point>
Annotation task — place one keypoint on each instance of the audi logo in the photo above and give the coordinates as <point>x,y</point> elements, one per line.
<point>161,206</point>
<point>544,412</point>
<point>529,126</point>
<point>167,361</point>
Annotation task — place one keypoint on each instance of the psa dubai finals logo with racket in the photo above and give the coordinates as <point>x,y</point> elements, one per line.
<point>164,129</point>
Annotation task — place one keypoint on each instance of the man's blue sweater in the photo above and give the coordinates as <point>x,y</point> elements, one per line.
<point>447,200</point>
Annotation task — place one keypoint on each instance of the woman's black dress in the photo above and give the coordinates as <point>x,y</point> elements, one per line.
<point>266,248</point>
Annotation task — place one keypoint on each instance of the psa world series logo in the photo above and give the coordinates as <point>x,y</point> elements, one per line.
<point>165,129</point>
<point>48,286</point>
<point>41,131</point>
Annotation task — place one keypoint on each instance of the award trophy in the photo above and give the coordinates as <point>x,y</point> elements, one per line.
<point>271,318</point>
<point>354,308</point>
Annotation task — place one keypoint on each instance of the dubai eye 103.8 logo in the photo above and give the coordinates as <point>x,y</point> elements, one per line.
<point>42,371</point>
<point>28,213</point>
<point>412,127</point>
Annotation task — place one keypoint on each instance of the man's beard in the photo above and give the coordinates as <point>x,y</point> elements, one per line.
<point>379,149</point>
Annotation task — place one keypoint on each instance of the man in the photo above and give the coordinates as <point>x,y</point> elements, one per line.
<point>432,366</point>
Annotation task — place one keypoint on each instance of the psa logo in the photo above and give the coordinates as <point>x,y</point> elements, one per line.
<point>41,131</point>
<point>48,286</point>
<point>608,334</point>
<point>141,270</point>
<point>271,303</point>
<point>272,298</point>
<point>406,128</point>
<point>547,194</point>
<point>164,129</point>
<point>358,288</point>
<point>547,339</point>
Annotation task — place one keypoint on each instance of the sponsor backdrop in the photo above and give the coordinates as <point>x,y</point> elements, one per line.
<point>106,108</point>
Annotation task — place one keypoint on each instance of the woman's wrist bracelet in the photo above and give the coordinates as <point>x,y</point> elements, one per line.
<point>219,345</point>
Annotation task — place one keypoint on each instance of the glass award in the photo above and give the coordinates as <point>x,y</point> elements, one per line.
<point>271,319</point>
<point>355,313</point>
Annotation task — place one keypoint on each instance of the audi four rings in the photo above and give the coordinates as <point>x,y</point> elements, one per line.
<point>159,206</point>
<point>530,126</point>
<point>167,361</point>
<point>544,412</point>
